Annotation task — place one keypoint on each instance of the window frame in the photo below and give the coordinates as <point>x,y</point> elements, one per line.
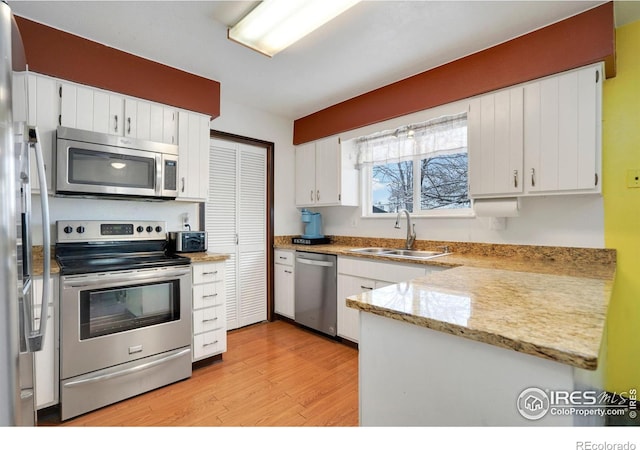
<point>366,176</point>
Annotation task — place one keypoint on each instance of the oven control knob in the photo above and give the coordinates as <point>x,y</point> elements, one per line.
<point>68,229</point>
<point>149,229</point>
<point>158,229</point>
<point>80,229</point>
<point>140,229</point>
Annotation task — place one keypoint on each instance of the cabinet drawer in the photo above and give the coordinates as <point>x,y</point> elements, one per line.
<point>283,257</point>
<point>208,273</point>
<point>207,295</point>
<point>209,319</point>
<point>208,344</point>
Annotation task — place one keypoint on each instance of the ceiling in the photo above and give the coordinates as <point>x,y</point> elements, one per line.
<point>373,44</point>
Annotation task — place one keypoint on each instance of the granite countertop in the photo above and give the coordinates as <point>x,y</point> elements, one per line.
<point>206,257</point>
<point>549,302</point>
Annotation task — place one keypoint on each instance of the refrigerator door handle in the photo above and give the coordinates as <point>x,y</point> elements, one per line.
<point>36,337</point>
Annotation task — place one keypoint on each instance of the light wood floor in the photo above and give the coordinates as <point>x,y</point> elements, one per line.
<point>273,374</point>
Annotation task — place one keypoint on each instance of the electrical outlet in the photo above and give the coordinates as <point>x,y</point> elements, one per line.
<point>633,178</point>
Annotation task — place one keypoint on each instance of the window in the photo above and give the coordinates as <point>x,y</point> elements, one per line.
<point>422,168</point>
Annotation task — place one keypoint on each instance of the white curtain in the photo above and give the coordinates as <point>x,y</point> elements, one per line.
<point>441,136</point>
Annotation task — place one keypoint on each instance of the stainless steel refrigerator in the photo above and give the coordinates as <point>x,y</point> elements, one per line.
<point>18,337</point>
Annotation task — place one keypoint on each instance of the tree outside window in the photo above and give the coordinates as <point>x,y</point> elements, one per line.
<point>434,153</point>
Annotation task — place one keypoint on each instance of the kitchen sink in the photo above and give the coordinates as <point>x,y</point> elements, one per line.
<point>399,253</point>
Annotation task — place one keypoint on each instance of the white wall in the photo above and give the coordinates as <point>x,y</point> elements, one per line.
<point>67,208</point>
<point>567,221</point>
<point>249,122</point>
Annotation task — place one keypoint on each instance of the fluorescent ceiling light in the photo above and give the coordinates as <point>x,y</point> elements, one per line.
<point>274,25</point>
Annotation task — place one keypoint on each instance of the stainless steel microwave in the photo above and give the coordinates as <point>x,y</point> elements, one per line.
<point>94,164</point>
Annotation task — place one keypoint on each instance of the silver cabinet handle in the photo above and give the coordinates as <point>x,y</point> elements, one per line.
<point>533,177</point>
<point>128,125</point>
<point>182,184</point>
<point>282,257</point>
<point>367,288</point>
<point>318,196</point>
<point>311,195</point>
<point>515,178</point>
<point>210,295</point>
<point>210,273</point>
<point>288,271</point>
<point>210,343</point>
<point>116,123</point>
<point>209,320</point>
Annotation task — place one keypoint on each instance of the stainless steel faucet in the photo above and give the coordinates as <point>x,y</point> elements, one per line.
<point>411,230</point>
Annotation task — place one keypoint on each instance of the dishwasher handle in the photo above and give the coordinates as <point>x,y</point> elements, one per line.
<point>313,262</point>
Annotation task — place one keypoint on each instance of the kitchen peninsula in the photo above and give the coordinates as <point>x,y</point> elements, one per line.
<point>439,350</point>
<point>459,346</point>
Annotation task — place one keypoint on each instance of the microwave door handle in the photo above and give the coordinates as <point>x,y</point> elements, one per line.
<point>36,337</point>
<point>159,175</point>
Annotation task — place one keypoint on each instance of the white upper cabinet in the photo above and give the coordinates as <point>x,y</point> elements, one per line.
<point>35,100</point>
<point>193,163</point>
<point>539,138</point>
<point>324,175</point>
<point>562,146</point>
<point>92,109</point>
<point>496,140</point>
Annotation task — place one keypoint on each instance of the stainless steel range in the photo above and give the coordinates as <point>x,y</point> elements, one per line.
<point>125,309</point>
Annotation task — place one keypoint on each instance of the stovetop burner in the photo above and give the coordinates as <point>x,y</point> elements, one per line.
<point>93,264</point>
<point>94,246</point>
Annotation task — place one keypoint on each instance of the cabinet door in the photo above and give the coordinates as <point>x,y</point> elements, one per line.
<point>327,174</point>
<point>496,144</point>
<point>143,120</point>
<point>107,112</point>
<point>284,303</point>
<point>169,126</point>
<point>306,174</point>
<point>193,164</point>
<point>348,318</point>
<point>156,120</point>
<point>562,132</point>
<point>44,113</point>
<point>67,105</point>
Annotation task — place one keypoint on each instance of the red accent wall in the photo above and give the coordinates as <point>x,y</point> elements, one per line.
<point>70,57</point>
<point>580,40</point>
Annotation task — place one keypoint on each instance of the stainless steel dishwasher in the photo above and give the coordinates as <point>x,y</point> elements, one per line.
<point>316,291</point>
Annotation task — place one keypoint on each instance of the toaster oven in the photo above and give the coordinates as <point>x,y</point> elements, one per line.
<point>187,241</point>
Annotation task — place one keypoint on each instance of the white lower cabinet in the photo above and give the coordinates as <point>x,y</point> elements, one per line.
<point>209,313</point>
<point>357,275</point>
<point>284,279</point>
<point>46,360</point>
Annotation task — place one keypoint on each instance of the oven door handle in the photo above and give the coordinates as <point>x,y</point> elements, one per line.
<point>92,280</point>
<point>120,373</point>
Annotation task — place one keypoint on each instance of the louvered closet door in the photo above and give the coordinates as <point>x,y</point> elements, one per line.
<point>235,220</point>
<point>252,236</point>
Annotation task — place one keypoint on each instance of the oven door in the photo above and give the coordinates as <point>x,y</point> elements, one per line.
<point>87,168</point>
<point>116,317</point>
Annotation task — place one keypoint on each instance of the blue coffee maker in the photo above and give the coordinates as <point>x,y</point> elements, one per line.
<point>313,224</point>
